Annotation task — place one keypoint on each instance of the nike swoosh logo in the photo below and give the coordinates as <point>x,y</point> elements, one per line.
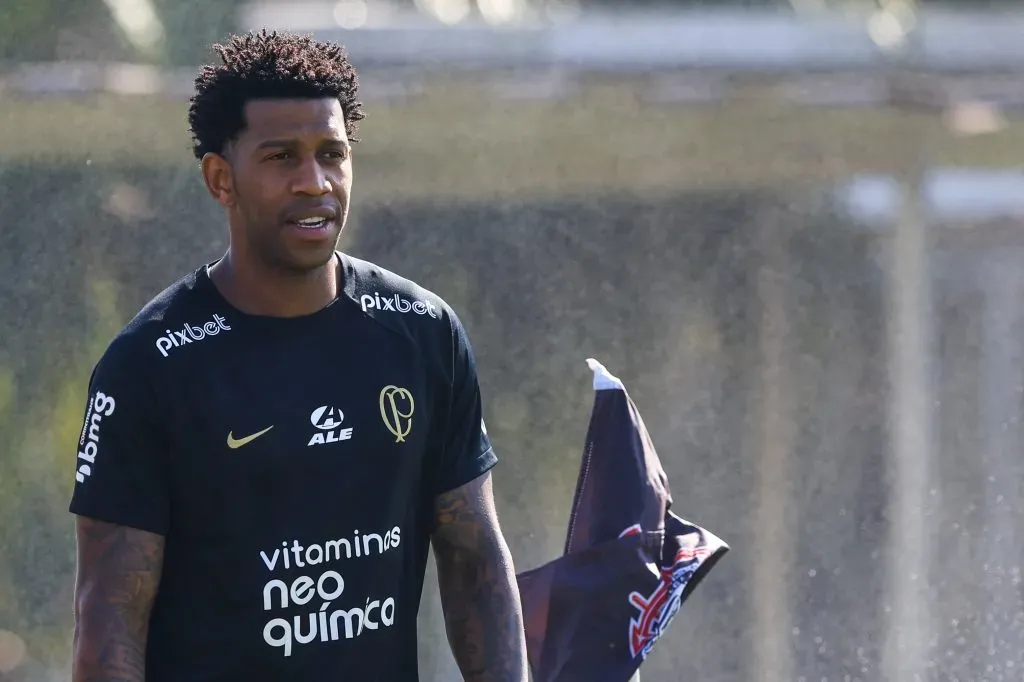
<point>233,443</point>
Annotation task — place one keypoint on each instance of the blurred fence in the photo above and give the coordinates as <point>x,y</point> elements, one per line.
<point>723,242</point>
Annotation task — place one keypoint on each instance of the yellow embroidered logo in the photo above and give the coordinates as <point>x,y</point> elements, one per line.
<point>234,443</point>
<point>396,408</point>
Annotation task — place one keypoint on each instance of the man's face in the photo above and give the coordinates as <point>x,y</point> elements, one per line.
<point>286,181</point>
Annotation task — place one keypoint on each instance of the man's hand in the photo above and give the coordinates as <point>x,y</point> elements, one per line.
<point>118,574</point>
<point>479,594</point>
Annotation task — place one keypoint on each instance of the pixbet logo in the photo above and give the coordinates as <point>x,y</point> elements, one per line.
<point>191,333</point>
<point>327,419</point>
<point>397,304</point>
<point>101,405</point>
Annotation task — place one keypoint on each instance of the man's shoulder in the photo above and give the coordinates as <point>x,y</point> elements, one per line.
<point>395,299</point>
<point>180,310</point>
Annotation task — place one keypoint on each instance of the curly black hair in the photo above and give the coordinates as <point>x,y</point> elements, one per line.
<point>267,65</point>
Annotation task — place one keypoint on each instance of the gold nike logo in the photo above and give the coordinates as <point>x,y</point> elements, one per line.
<point>233,443</point>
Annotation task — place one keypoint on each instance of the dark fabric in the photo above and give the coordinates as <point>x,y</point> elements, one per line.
<point>291,465</point>
<point>629,563</point>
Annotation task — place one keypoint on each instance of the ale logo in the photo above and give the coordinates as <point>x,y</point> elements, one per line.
<point>328,419</point>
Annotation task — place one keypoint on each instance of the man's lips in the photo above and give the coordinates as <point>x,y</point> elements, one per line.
<point>312,214</point>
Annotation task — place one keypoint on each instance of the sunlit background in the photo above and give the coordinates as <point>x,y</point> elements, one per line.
<point>793,228</point>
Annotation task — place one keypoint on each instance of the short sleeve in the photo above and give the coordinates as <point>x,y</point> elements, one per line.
<point>120,466</point>
<point>467,450</point>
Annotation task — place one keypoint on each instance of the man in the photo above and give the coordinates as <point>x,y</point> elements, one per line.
<point>272,442</point>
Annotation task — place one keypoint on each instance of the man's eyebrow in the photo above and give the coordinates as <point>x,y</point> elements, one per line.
<point>291,142</point>
<point>267,144</point>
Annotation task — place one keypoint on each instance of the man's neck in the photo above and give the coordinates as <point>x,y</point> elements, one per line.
<point>272,292</point>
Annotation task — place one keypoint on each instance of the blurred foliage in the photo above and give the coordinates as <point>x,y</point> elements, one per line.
<point>46,30</point>
<point>605,138</point>
<point>192,27</point>
<point>31,30</point>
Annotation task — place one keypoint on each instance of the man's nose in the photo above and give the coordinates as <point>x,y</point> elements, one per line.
<point>311,179</point>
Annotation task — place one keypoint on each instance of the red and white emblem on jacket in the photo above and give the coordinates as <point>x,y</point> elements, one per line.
<point>657,609</point>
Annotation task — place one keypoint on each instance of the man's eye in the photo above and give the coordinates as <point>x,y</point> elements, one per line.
<point>337,155</point>
<point>278,156</point>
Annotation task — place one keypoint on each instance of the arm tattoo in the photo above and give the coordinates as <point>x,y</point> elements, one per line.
<point>118,574</point>
<point>479,593</point>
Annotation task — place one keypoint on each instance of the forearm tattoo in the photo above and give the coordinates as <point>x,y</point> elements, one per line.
<point>480,598</point>
<point>118,574</point>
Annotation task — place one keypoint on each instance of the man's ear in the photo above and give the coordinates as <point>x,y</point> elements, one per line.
<point>219,178</point>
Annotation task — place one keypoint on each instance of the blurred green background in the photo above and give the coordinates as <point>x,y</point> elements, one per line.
<point>698,250</point>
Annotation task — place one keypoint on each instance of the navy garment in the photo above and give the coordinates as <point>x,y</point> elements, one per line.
<point>595,613</point>
<point>291,465</point>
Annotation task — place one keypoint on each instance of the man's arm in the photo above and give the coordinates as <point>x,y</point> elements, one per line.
<point>118,574</point>
<point>479,594</point>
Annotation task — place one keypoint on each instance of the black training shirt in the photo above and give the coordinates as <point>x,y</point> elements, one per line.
<point>290,464</point>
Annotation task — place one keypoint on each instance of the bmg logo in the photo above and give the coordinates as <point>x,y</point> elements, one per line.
<point>101,405</point>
